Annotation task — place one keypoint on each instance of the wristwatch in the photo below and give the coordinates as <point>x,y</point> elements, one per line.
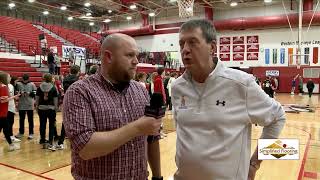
<point>255,164</point>
<point>157,178</point>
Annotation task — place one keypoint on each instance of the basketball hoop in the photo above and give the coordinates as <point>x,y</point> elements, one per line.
<point>185,8</point>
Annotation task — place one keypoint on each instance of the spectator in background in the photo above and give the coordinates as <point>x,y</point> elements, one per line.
<point>26,104</point>
<point>310,87</point>
<point>159,88</point>
<point>300,86</point>
<point>257,80</point>
<point>268,87</point>
<point>47,105</point>
<point>57,62</point>
<point>142,78</point>
<point>12,107</point>
<point>173,76</point>
<point>158,83</point>
<point>50,62</point>
<point>93,69</point>
<point>293,84</point>
<point>67,82</point>
<point>4,99</point>
<point>71,56</point>
<point>44,45</point>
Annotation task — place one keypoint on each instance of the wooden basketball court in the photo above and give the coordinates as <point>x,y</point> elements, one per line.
<point>33,162</point>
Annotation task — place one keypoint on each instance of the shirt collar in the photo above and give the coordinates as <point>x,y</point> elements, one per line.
<point>119,88</point>
<point>187,74</point>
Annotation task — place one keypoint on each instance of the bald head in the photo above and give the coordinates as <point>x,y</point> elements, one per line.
<point>119,57</point>
<point>114,41</point>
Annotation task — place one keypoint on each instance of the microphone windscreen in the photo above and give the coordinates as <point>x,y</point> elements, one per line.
<point>156,100</point>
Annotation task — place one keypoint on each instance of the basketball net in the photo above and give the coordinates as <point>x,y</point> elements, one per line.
<point>185,8</point>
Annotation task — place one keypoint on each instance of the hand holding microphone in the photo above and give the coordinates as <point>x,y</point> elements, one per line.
<point>151,122</point>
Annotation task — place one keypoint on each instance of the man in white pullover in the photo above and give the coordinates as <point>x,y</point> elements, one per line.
<point>214,109</point>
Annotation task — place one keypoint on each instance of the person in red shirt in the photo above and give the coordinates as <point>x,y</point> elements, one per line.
<point>158,83</point>
<point>4,99</point>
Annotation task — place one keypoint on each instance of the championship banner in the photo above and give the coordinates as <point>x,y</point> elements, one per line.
<point>225,49</point>
<point>315,55</point>
<point>282,55</point>
<point>252,56</point>
<point>252,39</point>
<point>225,40</point>
<point>238,56</point>
<point>275,56</point>
<point>224,57</point>
<point>78,51</point>
<point>253,48</point>
<point>290,57</point>
<point>306,57</point>
<point>267,56</point>
<point>238,40</point>
<point>238,48</point>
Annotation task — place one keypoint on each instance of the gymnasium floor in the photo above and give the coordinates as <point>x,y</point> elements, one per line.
<point>33,162</point>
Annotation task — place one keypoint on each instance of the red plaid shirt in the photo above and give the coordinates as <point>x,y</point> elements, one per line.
<point>92,105</point>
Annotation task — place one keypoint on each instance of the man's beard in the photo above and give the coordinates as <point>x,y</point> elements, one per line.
<point>120,77</point>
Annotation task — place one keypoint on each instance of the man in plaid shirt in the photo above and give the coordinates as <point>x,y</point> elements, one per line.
<point>104,119</point>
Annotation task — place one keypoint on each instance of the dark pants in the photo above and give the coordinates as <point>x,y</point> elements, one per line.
<point>57,70</point>
<point>310,92</point>
<point>43,116</point>
<point>269,91</point>
<point>62,135</point>
<point>10,119</point>
<point>169,103</point>
<point>22,116</point>
<point>4,126</point>
<point>51,68</point>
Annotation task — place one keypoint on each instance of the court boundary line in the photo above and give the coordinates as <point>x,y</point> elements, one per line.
<point>28,172</point>
<point>311,175</point>
<point>304,159</point>
<point>54,169</point>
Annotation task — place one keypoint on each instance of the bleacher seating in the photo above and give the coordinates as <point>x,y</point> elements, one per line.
<point>17,30</point>
<point>18,67</point>
<point>95,35</point>
<point>75,37</point>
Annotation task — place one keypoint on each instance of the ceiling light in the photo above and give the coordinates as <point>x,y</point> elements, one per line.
<point>109,11</point>
<point>86,17</point>
<point>87,4</point>
<point>133,6</point>
<point>63,8</point>
<point>12,5</point>
<point>189,9</point>
<point>31,1</point>
<point>129,17</point>
<point>45,12</point>
<point>88,14</point>
<point>233,4</point>
<point>267,1</point>
<point>107,20</point>
<point>70,18</point>
<point>152,14</point>
<point>91,23</point>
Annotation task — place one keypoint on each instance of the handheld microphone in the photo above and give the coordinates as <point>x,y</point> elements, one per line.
<point>156,108</point>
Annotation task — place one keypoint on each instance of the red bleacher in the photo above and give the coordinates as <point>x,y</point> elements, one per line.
<point>18,67</point>
<point>75,37</point>
<point>15,30</point>
<point>95,35</point>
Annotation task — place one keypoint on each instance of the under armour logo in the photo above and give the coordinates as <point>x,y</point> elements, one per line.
<point>223,103</point>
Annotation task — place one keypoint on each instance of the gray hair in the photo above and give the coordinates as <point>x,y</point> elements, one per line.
<point>207,28</point>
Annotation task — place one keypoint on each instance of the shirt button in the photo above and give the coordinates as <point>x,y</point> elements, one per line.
<point>132,144</point>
